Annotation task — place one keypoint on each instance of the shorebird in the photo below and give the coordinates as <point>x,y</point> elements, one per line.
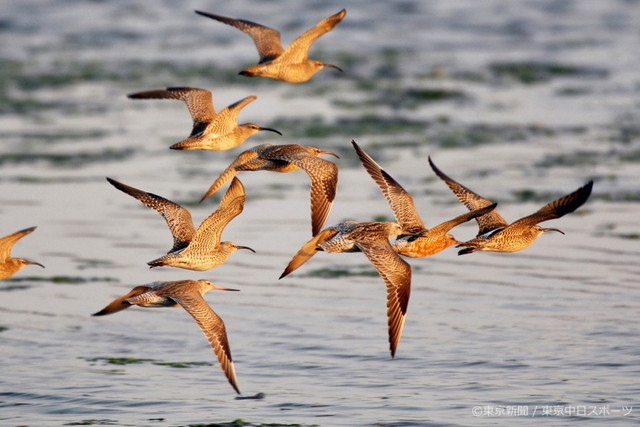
<point>189,295</point>
<point>423,242</point>
<point>495,234</point>
<point>289,158</point>
<point>193,249</point>
<point>371,238</point>
<point>10,266</point>
<point>291,65</point>
<point>211,131</point>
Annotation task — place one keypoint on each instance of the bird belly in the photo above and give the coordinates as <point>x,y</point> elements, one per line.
<point>419,247</point>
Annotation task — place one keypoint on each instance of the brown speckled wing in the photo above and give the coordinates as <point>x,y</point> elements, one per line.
<point>198,101</point>
<point>400,201</point>
<point>231,171</point>
<point>487,222</point>
<point>119,303</point>
<point>178,218</point>
<point>298,50</point>
<point>227,121</point>
<point>213,328</point>
<point>308,250</point>
<point>396,274</point>
<point>558,207</point>
<point>324,181</point>
<point>267,40</point>
<point>208,234</point>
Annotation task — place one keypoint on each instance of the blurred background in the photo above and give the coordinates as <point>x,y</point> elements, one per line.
<point>523,102</point>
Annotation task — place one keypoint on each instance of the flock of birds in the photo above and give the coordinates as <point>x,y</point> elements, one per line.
<point>202,249</point>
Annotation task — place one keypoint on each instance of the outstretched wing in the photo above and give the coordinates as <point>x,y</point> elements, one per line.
<point>213,328</point>
<point>178,218</point>
<point>227,120</point>
<point>298,50</point>
<point>396,274</point>
<point>324,181</point>
<point>231,171</point>
<point>308,250</point>
<point>487,222</point>
<point>7,242</point>
<point>400,201</point>
<point>199,102</point>
<point>209,232</point>
<point>559,207</point>
<point>120,303</point>
<point>267,40</point>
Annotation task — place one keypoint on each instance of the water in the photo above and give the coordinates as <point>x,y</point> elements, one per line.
<point>521,101</point>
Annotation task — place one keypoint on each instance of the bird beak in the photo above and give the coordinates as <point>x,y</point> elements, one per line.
<point>271,130</point>
<point>219,288</point>
<point>333,66</point>
<point>331,153</point>
<point>245,247</point>
<point>552,229</point>
<point>33,263</point>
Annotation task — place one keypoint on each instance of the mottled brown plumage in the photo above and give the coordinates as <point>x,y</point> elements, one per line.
<point>424,241</point>
<point>371,238</point>
<point>194,249</point>
<point>8,265</point>
<point>290,65</point>
<point>289,158</point>
<point>211,130</point>
<point>495,234</point>
<point>189,295</point>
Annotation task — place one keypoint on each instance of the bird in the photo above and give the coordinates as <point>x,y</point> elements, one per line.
<point>371,238</point>
<point>495,234</point>
<point>193,249</point>
<point>291,65</point>
<point>288,158</point>
<point>211,131</point>
<point>189,295</point>
<point>8,265</point>
<point>424,241</point>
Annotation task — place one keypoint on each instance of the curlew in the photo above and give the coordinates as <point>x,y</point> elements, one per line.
<point>495,234</point>
<point>289,158</point>
<point>211,131</point>
<point>424,241</point>
<point>8,265</point>
<point>194,249</point>
<point>291,65</point>
<point>371,238</point>
<point>189,295</point>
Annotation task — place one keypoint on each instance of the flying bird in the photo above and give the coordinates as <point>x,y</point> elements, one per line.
<point>193,249</point>
<point>8,265</point>
<point>423,241</point>
<point>288,158</point>
<point>371,238</point>
<point>189,295</point>
<point>211,131</point>
<point>495,234</point>
<point>291,65</point>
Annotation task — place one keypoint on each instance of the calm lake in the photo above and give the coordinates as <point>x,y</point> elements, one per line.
<point>523,102</point>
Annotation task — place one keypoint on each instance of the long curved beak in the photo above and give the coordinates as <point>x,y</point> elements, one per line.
<point>333,66</point>
<point>331,153</point>
<point>271,130</point>
<point>220,288</point>
<point>245,247</point>
<point>33,263</point>
<point>552,229</point>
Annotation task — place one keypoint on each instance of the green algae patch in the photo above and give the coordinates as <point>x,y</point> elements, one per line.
<point>538,72</point>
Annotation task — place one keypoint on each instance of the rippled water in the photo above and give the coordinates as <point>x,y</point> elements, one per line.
<point>521,101</point>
